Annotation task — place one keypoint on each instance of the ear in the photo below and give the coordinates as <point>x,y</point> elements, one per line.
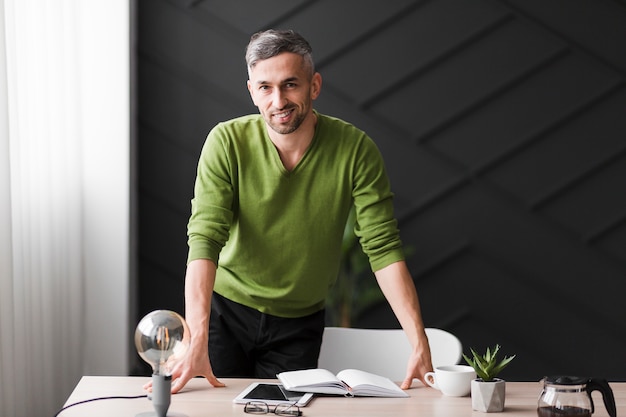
<point>316,85</point>
<point>249,85</point>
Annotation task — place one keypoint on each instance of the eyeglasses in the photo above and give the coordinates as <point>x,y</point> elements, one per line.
<point>259,407</point>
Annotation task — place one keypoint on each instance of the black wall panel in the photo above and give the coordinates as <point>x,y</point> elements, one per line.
<point>502,125</point>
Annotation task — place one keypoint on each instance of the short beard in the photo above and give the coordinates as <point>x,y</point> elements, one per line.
<point>290,128</point>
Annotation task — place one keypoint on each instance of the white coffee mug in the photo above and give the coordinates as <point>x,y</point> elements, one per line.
<point>451,380</point>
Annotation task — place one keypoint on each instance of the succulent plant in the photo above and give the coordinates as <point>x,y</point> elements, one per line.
<point>487,366</point>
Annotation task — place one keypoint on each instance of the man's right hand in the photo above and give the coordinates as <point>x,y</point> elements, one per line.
<point>195,363</point>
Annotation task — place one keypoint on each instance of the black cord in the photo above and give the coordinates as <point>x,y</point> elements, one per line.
<point>99,398</point>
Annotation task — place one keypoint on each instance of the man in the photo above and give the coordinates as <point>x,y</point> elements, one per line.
<point>272,195</point>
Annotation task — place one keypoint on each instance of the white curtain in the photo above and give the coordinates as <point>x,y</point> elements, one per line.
<point>63,311</point>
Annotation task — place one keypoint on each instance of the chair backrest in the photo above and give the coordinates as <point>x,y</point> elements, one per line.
<point>382,351</point>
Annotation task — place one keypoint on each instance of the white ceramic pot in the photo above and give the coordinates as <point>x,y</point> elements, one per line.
<point>488,397</point>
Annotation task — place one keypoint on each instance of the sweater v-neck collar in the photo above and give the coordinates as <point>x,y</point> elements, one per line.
<point>298,167</point>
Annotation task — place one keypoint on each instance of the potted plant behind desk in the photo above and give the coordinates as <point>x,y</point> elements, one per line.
<point>488,392</point>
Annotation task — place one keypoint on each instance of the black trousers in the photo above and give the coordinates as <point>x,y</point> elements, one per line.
<point>245,343</point>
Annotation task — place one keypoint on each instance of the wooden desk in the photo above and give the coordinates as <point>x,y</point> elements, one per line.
<point>200,399</point>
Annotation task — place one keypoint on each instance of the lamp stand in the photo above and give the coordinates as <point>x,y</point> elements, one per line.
<point>160,397</point>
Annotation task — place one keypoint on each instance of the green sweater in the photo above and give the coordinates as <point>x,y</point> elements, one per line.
<point>276,235</point>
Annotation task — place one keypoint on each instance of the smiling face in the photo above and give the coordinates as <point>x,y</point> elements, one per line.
<point>283,89</point>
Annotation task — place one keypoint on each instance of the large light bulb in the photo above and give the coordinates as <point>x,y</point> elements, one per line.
<point>161,338</point>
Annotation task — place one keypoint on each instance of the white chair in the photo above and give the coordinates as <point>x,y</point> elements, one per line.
<point>382,351</point>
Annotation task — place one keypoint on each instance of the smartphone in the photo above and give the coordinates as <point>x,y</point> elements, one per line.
<point>272,394</point>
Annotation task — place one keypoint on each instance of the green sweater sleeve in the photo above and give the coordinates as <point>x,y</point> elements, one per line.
<point>376,226</point>
<point>212,205</point>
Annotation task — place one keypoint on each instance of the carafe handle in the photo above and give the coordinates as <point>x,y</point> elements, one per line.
<point>598,384</point>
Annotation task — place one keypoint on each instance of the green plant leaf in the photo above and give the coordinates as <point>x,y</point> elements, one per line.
<point>487,366</point>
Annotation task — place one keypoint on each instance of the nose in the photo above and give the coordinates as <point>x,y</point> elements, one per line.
<point>279,99</point>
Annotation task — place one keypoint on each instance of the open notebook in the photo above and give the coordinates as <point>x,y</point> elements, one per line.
<point>349,382</point>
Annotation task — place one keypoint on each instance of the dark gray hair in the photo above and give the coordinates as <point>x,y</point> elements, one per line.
<point>269,43</point>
